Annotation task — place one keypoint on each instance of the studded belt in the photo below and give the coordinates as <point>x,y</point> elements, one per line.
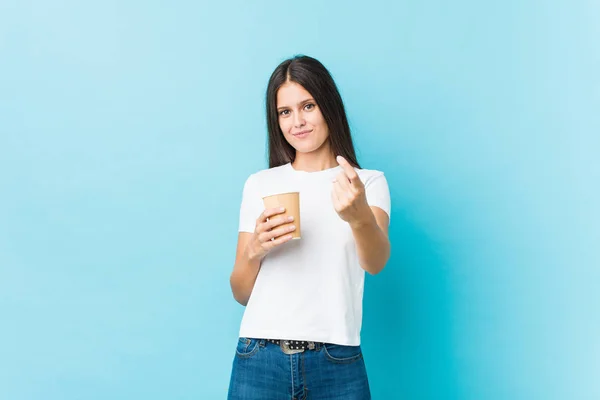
<point>293,346</point>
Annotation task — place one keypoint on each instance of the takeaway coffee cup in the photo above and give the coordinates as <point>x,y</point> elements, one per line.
<point>291,202</point>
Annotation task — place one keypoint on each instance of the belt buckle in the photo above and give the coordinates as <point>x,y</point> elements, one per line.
<point>285,347</point>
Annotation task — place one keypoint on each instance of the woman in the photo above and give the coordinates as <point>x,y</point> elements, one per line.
<point>300,333</point>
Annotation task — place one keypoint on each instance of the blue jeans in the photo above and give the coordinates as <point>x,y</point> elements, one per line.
<point>262,371</point>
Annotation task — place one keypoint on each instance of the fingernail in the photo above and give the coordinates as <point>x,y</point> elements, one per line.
<point>291,218</point>
<point>282,209</point>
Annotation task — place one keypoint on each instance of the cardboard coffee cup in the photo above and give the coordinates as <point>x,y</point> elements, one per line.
<point>291,202</point>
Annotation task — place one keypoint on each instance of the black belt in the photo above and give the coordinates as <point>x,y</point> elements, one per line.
<point>293,346</point>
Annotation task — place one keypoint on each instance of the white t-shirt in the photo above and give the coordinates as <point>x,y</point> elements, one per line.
<point>311,288</point>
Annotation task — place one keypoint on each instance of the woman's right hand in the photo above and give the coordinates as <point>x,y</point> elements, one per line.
<point>269,234</point>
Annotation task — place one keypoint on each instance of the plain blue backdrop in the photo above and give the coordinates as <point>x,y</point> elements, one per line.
<point>127,129</point>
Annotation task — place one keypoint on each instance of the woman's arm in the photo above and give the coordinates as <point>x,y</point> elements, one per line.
<point>369,224</point>
<point>372,243</point>
<point>252,248</point>
<point>245,270</point>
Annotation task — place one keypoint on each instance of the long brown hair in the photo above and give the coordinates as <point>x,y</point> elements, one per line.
<point>316,79</point>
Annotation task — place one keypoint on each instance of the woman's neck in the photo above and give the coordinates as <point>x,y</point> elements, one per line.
<point>313,162</point>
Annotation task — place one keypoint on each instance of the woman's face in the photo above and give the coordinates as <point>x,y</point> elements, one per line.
<point>300,118</point>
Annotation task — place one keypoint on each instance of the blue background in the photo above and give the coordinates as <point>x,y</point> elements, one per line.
<point>127,130</point>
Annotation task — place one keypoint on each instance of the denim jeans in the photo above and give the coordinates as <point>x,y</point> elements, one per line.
<point>262,371</point>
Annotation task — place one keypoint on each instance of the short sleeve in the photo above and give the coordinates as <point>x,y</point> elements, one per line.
<point>251,206</point>
<point>378,193</point>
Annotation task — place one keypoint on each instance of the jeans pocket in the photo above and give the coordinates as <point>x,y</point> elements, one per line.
<point>246,347</point>
<point>341,354</point>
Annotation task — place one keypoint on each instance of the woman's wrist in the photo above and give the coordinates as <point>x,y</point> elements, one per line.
<point>251,254</point>
<point>365,219</point>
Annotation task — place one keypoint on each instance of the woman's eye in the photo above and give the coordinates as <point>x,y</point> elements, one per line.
<point>283,112</point>
<point>309,106</point>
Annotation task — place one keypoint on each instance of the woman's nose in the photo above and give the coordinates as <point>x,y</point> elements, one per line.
<point>298,120</point>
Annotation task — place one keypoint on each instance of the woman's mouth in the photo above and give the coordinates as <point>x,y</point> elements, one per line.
<point>302,134</point>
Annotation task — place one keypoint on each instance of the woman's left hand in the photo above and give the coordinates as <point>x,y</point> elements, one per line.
<point>348,195</point>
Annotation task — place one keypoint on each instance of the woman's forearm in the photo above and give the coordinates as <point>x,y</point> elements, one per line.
<point>372,244</point>
<point>243,277</point>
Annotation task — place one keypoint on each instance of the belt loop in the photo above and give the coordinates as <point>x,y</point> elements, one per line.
<point>262,342</point>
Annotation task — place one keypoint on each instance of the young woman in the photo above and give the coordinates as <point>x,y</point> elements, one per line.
<point>300,333</point>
